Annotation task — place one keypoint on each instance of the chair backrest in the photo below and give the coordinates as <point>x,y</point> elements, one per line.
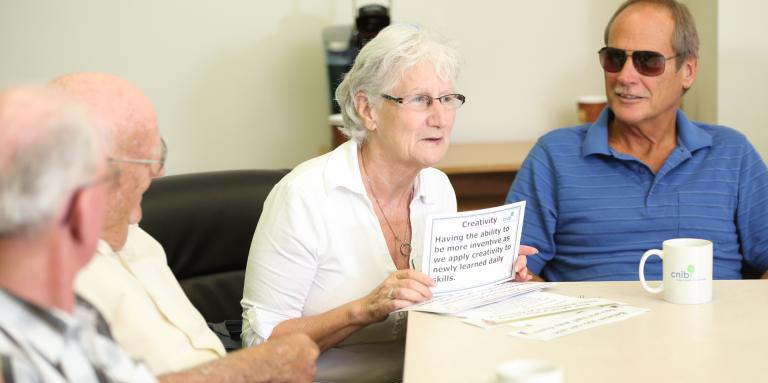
<point>205,222</point>
<point>749,272</point>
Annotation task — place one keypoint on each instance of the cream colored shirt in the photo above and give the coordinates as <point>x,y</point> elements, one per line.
<point>150,316</point>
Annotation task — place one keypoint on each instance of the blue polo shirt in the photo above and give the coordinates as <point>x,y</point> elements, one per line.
<point>593,211</point>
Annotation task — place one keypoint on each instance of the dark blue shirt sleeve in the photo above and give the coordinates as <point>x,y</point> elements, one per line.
<point>536,184</point>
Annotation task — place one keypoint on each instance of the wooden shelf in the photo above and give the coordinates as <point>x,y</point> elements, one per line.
<point>482,172</point>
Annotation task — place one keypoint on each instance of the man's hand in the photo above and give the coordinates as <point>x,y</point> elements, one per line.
<point>290,358</point>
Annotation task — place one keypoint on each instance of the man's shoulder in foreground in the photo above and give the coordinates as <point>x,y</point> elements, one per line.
<point>38,344</point>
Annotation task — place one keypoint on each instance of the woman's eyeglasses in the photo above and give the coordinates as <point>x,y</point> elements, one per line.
<point>423,101</point>
<point>647,63</point>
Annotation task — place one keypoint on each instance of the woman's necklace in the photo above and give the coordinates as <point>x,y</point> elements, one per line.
<point>405,247</point>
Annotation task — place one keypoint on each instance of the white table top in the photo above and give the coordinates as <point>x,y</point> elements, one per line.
<point>721,341</point>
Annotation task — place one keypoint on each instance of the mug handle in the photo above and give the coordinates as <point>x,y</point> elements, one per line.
<point>641,272</point>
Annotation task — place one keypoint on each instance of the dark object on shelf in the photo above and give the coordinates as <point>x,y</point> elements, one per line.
<point>371,19</point>
<point>343,42</point>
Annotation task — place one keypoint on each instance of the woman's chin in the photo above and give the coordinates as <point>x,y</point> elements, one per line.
<point>433,153</point>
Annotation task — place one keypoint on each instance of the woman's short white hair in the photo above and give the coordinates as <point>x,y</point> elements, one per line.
<point>42,172</point>
<point>383,61</point>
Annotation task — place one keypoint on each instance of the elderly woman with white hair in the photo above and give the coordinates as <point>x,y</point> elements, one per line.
<point>333,252</point>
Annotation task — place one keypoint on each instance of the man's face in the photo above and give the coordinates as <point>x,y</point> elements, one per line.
<point>124,197</point>
<point>636,99</point>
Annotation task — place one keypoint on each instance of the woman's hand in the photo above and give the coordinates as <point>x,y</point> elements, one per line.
<point>401,289</point>
<point>521,265</point>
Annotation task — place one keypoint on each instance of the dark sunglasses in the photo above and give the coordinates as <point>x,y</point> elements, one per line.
<point>647,63</point>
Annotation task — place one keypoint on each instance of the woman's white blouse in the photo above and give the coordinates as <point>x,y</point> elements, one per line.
<point>319,245</point>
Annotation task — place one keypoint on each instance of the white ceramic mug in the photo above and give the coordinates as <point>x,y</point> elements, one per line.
<point>686,270</point>
<point>528,371</point>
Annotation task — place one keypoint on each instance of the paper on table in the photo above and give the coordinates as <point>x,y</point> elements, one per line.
<point>529,309</point>
<point>534,305</point>
<point>464,300</point>
<point>473,248</point>
<point>549,328</point>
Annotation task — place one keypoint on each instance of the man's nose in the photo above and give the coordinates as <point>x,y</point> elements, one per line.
<point>628,72</point>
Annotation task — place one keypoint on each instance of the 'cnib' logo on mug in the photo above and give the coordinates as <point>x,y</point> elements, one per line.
<point>685,275</point>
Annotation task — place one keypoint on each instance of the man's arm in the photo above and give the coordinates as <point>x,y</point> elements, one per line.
<point>285,359</point>
<point>537,278</point>
<point>535,183</point>
<point>752,210</point>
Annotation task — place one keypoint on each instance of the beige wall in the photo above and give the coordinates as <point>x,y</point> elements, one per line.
<point>242,83</point>
<point>701,101</point>
<point>526,62</point>
<point>237,83</point>
<point>742,100</point>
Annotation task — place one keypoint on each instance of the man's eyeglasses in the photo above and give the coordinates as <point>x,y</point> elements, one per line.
<point>156,165</point>
<point>423,101</point>
<point>647,63</point>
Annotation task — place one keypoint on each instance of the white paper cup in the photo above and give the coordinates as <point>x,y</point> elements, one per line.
<point>528,371</point>
<point>589,107</point>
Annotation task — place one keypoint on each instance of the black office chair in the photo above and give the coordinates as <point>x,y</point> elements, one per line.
<point>749,272</point>
<point>205,222</point>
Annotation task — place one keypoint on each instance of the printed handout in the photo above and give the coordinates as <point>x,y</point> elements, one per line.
<point>474,248</point>
<point>546,316</point>
<point>460,301</point>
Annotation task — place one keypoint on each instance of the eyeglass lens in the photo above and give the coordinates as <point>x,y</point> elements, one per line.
<point>647,63</point>
<point>452,101</point>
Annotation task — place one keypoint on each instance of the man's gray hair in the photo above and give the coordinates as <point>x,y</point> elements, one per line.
<point>383,61</point>
<point>50,150</point>
<point>685,38</point>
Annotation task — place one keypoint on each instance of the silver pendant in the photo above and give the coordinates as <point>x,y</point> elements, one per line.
<point>405,249</point>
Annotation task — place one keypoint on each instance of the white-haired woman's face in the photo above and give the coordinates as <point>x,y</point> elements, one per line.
<point>412,136</point>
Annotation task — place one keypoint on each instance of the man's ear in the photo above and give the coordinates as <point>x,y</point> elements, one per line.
<point>84,218</point>
<point>71,217</point>
<point>365,111</point>
<point>689,68</point>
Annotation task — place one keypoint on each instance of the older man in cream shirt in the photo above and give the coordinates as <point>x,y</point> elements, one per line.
<point>131,288</point>
<point>129,280</point>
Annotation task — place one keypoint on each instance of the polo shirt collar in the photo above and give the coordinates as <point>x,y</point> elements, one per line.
<point>689,136</point>
<point>343,171</point>
<point>596,140</point>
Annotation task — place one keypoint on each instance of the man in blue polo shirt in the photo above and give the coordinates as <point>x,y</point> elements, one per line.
<point>601,194</point>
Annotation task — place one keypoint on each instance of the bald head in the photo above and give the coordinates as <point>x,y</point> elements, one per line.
<point>127,117</point>
<point>117,106</point>
<point>48,150</point>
